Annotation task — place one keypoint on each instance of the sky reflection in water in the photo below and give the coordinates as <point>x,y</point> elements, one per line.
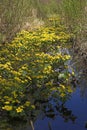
<point>74,117</point>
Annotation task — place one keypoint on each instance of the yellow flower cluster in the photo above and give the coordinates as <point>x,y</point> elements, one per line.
<point>31,60</point>
<point>47,69</point>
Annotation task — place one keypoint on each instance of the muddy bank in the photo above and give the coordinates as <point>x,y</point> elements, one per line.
<point>79,63</point>
<point>80,50</point>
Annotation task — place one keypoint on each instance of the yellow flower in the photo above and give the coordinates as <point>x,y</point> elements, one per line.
<point>14,94</point>
<point>39,76</point>
<point>73,73</point>
<point>7,102</point>
<point>27,103</point>
<point>7,107</point>
<point>28,77</point>
<point>62,86</point>
<point>33,107</point>
<point>19,109</point>
<point>62,94</point>
<point>17,79</point>
<point>67,57</point>
<point>49,83</point>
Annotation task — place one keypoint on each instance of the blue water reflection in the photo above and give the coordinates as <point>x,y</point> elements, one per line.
<point>78,108</point>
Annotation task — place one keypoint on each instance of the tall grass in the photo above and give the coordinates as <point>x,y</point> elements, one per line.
<point>74,12</point>
<point>14,13</point>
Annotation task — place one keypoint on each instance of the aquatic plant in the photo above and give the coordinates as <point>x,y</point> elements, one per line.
<point>33,67</point>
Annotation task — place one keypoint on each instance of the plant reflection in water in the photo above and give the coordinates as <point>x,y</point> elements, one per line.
<point>53,108</point>
<point>49,109</point>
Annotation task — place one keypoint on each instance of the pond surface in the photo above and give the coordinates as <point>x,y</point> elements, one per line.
<point>74,117</point>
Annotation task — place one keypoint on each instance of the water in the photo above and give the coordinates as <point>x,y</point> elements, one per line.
<point>77,106</point>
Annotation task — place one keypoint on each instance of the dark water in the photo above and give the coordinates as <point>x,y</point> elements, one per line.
<point>74,118</point>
